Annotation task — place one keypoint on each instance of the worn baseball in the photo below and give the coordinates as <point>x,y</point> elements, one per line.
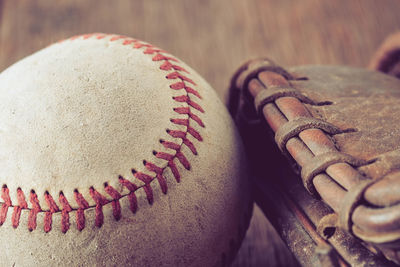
<point>114,152</point>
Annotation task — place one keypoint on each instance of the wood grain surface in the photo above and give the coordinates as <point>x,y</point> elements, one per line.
<point>214,37</point>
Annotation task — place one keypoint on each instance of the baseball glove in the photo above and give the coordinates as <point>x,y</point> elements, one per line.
<point>387,57</point>
<point>335,195</point>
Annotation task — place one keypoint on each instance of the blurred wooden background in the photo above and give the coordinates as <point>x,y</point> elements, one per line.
<point>214,37</point>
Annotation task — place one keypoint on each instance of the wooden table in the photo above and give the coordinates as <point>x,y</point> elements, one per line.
<point>214,37</point>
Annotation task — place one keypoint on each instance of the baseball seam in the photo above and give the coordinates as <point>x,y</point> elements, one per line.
<point>174,73</point>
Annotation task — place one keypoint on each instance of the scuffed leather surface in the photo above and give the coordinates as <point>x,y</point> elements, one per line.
<point>366,101</point>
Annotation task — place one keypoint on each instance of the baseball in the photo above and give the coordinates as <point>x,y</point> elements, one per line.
<point>114,152</point>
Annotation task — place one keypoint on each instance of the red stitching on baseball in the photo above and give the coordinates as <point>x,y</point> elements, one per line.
<point>194,133</point>
<point>115,202</point>
<point>138,45</point>
<point>189,90</point>
<point>66,209</point>
<point>48,215</point>
<point>159,171</point>
<point>187,111</point>
<point>183,160</point>
<point>147,179</point>
<point>17,209</point>
<point>184,122</point>
<point>164,156</point>
<point>5,195</point>
<point>80,213</point>
<point>100,200</point>
<point>168,66</point>
<point>131,196</point>
<point>160,57</point>
<point>118,37</point>
<point>101,36</point>
<point>34,211</point>
<point>170,145</point>
<point>128,42</point>
<point>186,99</point>
<point>177,75</point>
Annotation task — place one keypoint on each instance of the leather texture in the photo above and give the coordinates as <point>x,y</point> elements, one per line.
<point>339,126</point>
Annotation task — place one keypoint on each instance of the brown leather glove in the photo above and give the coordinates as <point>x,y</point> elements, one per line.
<point>340,129</point>
<point>387,57</point>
